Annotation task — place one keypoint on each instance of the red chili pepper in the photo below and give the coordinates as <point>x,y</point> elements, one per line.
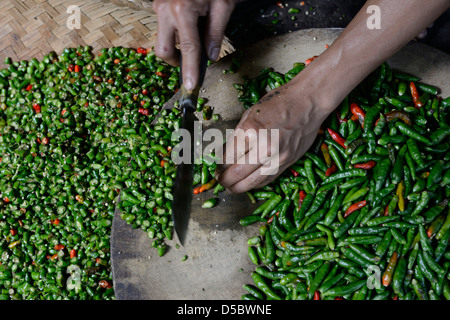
<point>269,221</point>
<point>295,173</point>
<point>339,298</point>
<point>430,231</point>
<point>73,253</point>
<point>142,50</point>
<point>388,273</point>
<point>205,186</point>
<point>70,67</point>
<point>308,61</point>
<point>29,87</point>
<point>358,112</point>
<point>317,295</point>
<point>339,118</point>
<point>13,232</point>
<point>79,198</point>
<point>301,197</point>
<point>386,211</point>
<point>77,68</point>
<point>59,247</point>
<point>366,166</point>
<point>161,74</point>
<point>45,140</point>
<point>331,170</point>
<point>145,112</point>
<point>104,284</point>
<point>37,108</point>
<point>326,154</point>
<point>415,94</point>
<point>336,137</point>
<point>162,163</point>
<point>145,91</point>
<point>354,207</point>
<point>116,61</point>
<point>56,221</point>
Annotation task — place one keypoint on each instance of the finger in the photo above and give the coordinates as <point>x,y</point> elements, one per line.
<point>190,46</point>
<point>219,15</point>
<point>239,171</point>
<point>229,155</point>
<point>165,43</point>
<point>236,146</point>
<point>241,177</point>
<point>257,179</point>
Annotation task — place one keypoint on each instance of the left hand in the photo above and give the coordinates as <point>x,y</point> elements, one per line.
<point>296,117</point>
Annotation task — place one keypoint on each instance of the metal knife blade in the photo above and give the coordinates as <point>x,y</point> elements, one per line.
<point>183,191</point>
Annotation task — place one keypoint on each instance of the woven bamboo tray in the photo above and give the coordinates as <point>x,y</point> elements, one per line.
<point>33,28</point>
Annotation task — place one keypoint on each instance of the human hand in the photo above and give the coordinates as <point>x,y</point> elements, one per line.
<point>177,24</point>
<point>294,115</point>
<point>300,106</point>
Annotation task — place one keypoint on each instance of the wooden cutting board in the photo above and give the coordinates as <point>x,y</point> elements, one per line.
<point>216,245</point>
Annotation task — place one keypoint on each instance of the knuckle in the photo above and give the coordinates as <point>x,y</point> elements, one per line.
<point>166,54</point>
<point>216,36</point>
<point>188,46</point>
<point>223,181</point>
<point>180,6</point>
<point>162,51</point>
<point>234,190</point>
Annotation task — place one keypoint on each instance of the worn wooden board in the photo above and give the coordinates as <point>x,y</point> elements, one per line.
<point>216,245</point>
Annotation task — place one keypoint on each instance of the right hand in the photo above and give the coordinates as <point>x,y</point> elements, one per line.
<point>177,24</point>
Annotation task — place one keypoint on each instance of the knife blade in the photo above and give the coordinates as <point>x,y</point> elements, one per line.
<point>183,189</point>
<point>182,197</point>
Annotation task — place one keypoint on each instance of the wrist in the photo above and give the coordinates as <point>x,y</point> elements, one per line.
<point>316,86</point>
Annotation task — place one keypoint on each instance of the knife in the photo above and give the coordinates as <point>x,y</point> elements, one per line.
<point>183,189</point>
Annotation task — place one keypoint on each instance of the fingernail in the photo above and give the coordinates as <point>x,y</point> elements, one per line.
<point>214,53</point>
